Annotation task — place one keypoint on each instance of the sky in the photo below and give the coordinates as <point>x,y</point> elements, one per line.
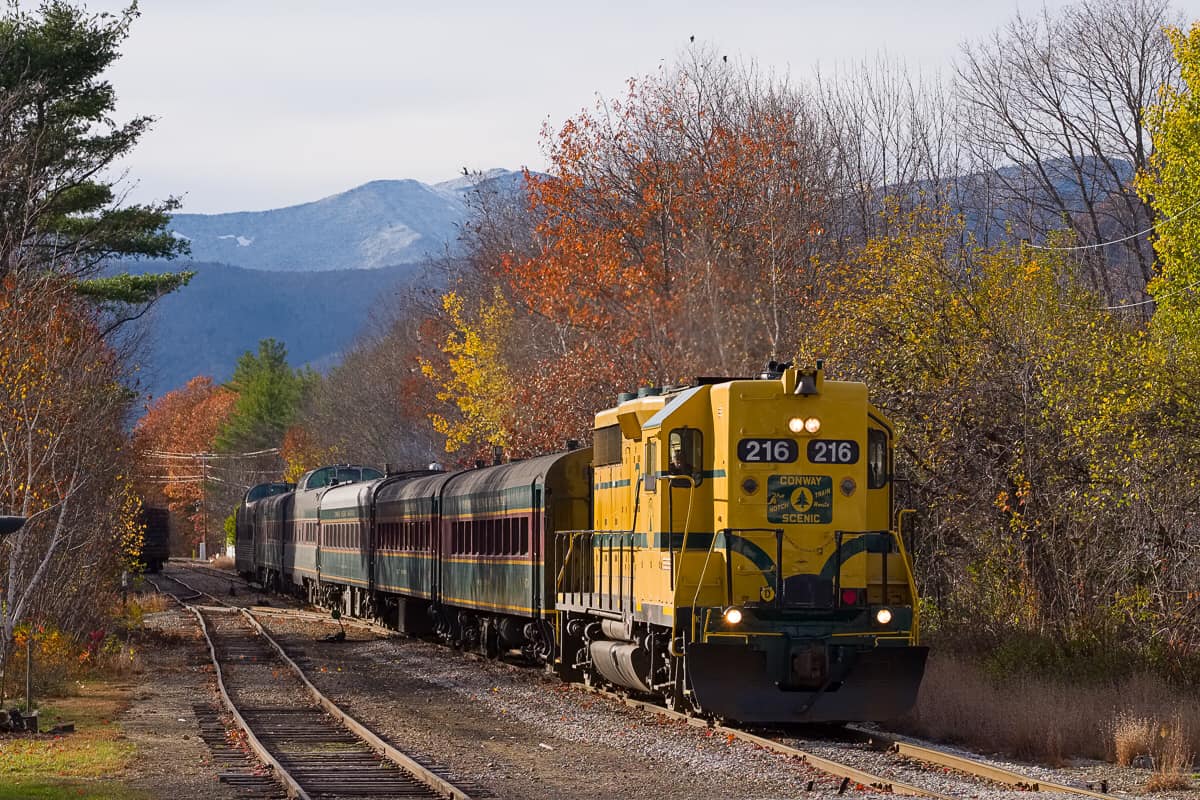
<point>265,103</point>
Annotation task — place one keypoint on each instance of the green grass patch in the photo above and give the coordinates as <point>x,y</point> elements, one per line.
<point>67,790</point>
<point>73,765</point>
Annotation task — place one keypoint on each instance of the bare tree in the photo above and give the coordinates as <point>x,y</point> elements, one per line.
<point>894,134</point>
<point>1054,107</point>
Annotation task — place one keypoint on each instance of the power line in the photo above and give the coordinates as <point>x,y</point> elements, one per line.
<point>209,456</point>
<point>1151,229</point>
<point>1181,290</point>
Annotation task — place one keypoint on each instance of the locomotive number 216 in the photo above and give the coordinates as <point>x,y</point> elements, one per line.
<point>777,451</point>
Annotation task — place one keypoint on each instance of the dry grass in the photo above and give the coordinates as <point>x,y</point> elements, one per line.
<point>222,562</point>
<point>81,764</point>
<point>1051,721</point>
<point>1173,761</point>
<point>151,603</point>
<point>1133,738</point>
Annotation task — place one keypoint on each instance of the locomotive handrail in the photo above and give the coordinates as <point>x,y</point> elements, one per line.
<point>687,523</point>
<point>908,571</point>
<point>777,568</point>
<point>572,537</point>
<point>728,534</point>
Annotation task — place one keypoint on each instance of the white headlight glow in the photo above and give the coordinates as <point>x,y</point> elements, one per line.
<point>733,616</point>
<point>883,616</point>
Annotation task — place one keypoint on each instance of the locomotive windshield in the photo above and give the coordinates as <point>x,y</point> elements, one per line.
<point>329,475</point>
<point>268,489</point>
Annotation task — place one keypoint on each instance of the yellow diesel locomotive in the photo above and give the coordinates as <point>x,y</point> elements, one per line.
<point>744,557</point>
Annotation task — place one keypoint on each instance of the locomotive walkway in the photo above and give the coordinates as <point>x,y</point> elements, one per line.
<point>314,749</point>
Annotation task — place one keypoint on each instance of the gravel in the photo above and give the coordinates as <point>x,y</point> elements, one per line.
<point>522,734</point>
<point>1122,781</point>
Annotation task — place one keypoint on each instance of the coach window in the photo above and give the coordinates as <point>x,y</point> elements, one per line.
<point>685,447</point>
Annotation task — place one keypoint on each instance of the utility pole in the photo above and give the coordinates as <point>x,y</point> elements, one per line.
<point>204,509</point>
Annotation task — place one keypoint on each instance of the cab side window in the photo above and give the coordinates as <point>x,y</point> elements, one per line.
<point>878,469</point>
<point>650,466</point>
<point>685,448</point>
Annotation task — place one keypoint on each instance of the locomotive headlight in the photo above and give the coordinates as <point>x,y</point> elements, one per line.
<point>796,424</point>
<point>812,425</point>
<point>733,616</point>
<point>883,616</point>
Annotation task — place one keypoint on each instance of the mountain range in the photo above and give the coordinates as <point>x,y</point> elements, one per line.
<point>378,224</point>
<point>226,310</point>
<point>308,275</point>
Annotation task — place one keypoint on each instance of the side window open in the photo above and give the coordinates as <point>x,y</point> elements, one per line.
<point>685,449</point>
<point>877,459</point>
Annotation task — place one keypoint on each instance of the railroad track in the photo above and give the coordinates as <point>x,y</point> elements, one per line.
<point>853,776</point>
<point>975,773</point>
<point>313,747</point>
<point>981,769</point>
<point>292,613</point>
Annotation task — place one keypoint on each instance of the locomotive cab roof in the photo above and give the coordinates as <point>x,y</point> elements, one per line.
<point>635,411</point>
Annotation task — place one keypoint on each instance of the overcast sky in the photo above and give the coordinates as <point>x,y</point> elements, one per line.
<point>265,103</point>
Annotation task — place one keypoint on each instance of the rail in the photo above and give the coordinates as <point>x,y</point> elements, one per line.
<point>847,772</point>
<point>426,777</point>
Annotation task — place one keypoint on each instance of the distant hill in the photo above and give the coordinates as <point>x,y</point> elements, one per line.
<point>378,224</point>
<point>309,275</point>
<point>224,311</point>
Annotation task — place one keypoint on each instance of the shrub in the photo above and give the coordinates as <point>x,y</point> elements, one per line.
<point>1050,719</point>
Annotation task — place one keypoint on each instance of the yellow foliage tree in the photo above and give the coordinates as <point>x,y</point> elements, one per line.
<point>474,378</point>
<point>131,530</point>
<point>1038,430</point>
<point>301,452</point>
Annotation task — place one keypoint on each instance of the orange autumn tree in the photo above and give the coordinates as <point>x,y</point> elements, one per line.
<point>171,438</point>
<point>675,235</point>
<point>62,441</point>
<point>301,451</point>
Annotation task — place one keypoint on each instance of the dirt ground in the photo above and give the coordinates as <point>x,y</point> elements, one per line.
<point>500,730</point>
<point>173,761</point>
